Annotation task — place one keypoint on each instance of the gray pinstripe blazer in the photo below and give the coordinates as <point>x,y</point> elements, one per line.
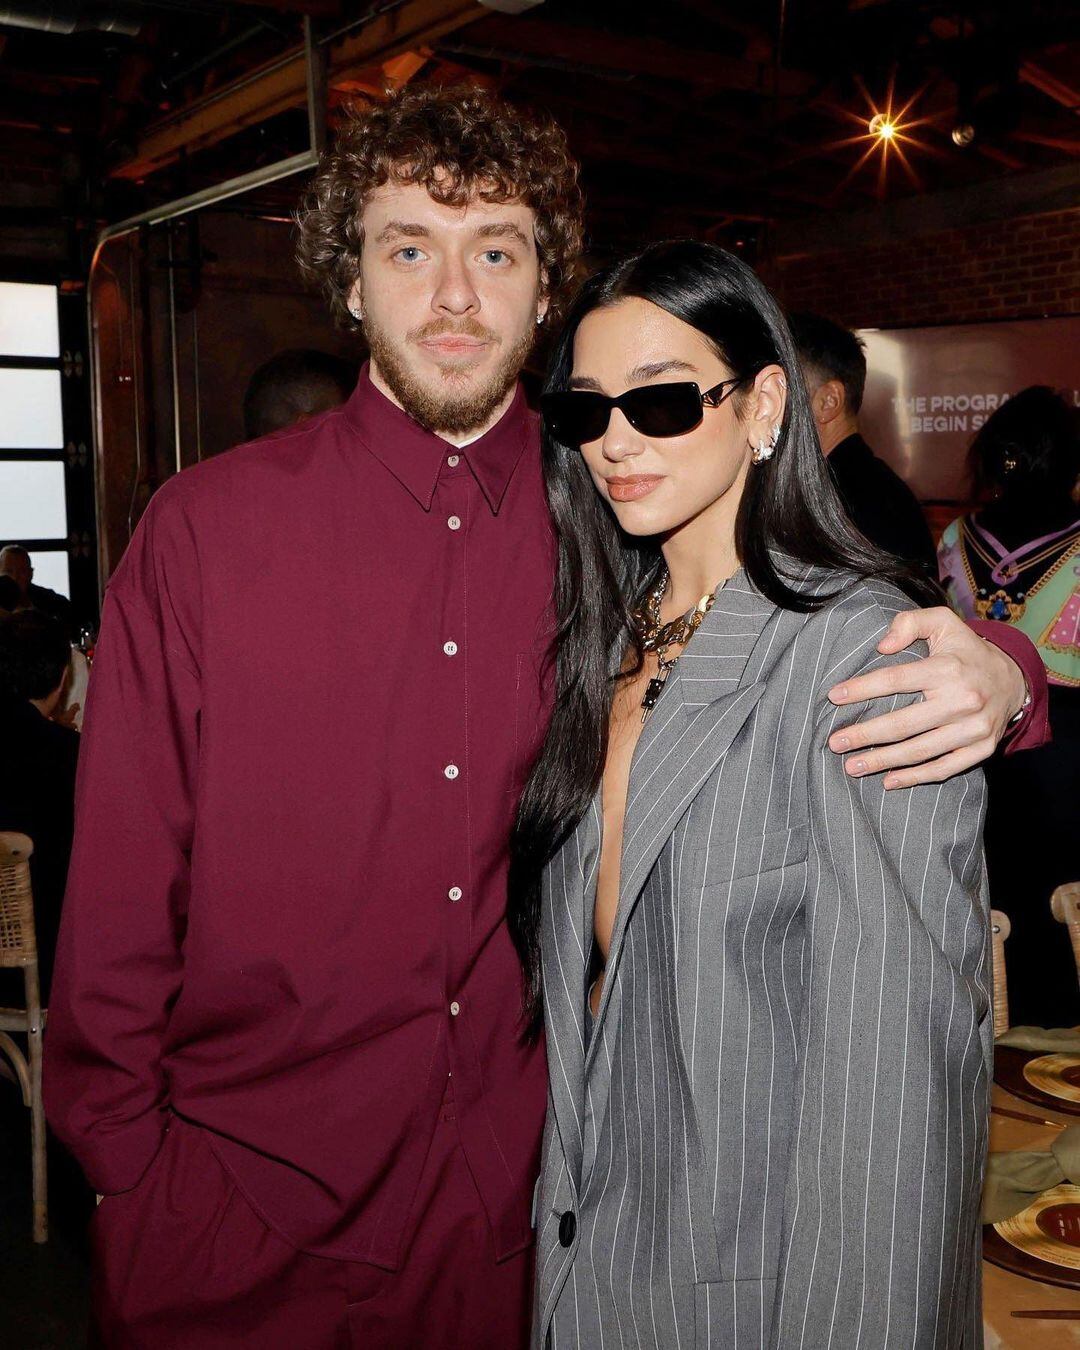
<point>773,1134</point>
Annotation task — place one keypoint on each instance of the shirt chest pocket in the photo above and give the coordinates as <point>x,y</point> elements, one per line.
<point>758,854</point>
<point>743,917</point>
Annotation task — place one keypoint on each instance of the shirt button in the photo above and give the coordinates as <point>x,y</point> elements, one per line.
<point>453,461</point>
<point>450,648</point>
<point>455,1008</point>
<point>454,892</point>
<point>451,771</point>
<point>454,522</point>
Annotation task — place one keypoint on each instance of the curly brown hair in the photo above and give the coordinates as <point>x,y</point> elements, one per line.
<point>458,143</point>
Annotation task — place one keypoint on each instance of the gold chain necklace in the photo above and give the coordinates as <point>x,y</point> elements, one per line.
<point>999,604</point>
<point>657,637</point>
<point>1014,569</point>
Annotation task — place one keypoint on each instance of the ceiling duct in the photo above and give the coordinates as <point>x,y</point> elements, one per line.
<point>510,6</point>
<point>69,16</point>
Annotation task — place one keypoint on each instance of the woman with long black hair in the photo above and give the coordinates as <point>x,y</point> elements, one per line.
<point>763,979</point>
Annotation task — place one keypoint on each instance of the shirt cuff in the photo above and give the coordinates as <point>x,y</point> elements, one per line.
<point>1033,728</point>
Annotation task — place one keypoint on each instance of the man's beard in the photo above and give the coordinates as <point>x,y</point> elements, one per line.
<point>446,410</point>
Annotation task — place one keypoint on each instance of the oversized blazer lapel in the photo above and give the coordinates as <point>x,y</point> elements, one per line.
<point>706,702</point>
<point>566,942</point>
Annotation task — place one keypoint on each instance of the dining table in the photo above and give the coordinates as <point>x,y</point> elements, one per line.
<point>1016,1124</point>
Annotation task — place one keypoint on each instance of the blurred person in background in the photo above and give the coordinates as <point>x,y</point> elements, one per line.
<point>293,385</point>
<point>11,597</point>
<point>15,562</point>
<point>1016,561</point>
<point>39,756</point>
<point>878,501</point>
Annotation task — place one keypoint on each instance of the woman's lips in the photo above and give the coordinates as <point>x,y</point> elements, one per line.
<point>632,489</point>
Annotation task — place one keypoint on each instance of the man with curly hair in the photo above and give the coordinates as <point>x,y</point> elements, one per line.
<point>286,1041</point>
<point>285,1045</point>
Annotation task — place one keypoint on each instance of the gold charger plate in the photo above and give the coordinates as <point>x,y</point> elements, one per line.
<point>1009,1073</point>
<point>1049,1229</point>
<point>1056,1075</point>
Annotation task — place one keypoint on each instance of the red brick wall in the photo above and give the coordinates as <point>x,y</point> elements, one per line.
<point>1011,269</point>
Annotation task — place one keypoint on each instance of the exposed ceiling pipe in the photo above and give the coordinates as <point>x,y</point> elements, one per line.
<point>510,6</point>
<point>210,196</point>
<point>69,16</point>
<point>208,58</point>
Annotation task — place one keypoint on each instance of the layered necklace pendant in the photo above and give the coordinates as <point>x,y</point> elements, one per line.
<point>655,687</point>
<point>657,637</point>
<point>1000,605</point>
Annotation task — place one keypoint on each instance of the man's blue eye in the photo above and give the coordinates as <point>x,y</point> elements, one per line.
<point>409,249</point>
<point>494,255</point>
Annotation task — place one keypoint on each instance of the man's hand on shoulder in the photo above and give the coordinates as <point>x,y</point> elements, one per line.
<point>971,691</point>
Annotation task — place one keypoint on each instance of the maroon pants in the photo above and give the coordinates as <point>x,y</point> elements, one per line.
<point>182,1262</point>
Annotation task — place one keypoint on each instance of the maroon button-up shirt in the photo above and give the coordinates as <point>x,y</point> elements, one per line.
<point>316,694</point>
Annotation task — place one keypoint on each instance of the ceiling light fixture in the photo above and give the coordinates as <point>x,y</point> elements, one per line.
<point>881,127</point>
<point>884,132</point>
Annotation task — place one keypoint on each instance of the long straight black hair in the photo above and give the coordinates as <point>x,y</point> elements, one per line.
<point>788,507</point>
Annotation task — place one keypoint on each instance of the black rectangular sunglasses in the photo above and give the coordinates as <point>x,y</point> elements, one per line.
<point>578,416</point>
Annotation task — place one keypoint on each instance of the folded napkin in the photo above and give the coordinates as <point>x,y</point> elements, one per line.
<point>1015,1180</point>
<point>1052,1040</point>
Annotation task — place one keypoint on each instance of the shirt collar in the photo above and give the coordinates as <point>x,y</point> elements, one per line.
<point>415,456</point>
<point>850,446</point>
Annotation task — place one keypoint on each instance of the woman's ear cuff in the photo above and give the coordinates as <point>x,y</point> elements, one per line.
<point>765,449</point>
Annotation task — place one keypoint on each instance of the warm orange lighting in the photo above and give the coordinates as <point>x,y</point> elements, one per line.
<point>885,132</point>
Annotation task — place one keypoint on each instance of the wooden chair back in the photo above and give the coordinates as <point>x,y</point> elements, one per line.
<point>1065,906</point>
<point>18,938</point>
<point>18,949</point>
<point>1000,928</point>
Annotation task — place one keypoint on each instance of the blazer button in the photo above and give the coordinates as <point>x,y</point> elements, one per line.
<point>567,1228</point>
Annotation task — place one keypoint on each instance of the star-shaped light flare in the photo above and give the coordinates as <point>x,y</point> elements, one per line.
<point>885,131</point>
